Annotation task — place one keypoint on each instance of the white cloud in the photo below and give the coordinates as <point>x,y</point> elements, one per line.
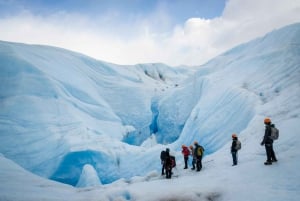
<point>241,21</point>
<point>144,41</point>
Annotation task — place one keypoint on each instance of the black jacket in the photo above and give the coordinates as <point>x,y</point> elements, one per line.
<point>168,161</point>
<point>267,137</point>
<point>233,145</point>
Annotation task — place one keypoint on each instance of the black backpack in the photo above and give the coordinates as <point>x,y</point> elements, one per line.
<point>163,155</point>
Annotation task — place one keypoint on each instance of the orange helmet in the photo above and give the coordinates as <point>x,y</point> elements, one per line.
<point>267,120</point>
<point>234,135</point>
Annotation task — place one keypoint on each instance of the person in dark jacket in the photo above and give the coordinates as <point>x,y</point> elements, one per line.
<point>198,151</point>
<point>234,149</point>
<point>268,142</point>
<point>163,160</point>
<point>168,165</point>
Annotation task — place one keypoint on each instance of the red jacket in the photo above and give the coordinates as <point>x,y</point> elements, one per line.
<point>185,151</point>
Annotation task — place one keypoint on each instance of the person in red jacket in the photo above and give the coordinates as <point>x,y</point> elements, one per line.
<point>186,152</point>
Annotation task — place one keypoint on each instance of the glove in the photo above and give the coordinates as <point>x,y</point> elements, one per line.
<point>261,143</point>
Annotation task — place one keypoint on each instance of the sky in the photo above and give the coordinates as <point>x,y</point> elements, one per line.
<point>174,32</point>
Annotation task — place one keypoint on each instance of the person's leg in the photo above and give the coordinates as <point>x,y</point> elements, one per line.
<point>167,172</point>
<point>234,160</point>
<point>268,151</point>
<point>193,163</point>
<point>199,163</point>
<point>185,162</point>
<point>163,170</point>
<point>273,157</point>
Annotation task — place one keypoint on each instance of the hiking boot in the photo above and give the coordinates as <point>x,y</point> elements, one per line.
<point>192,168</point>
<point>268,163</point>
<point>274,160</point>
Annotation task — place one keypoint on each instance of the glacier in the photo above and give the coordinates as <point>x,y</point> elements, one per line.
<point>76,120</point>
<point>83,110</point>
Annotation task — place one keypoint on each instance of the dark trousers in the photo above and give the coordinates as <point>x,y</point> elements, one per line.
<point>199,163</point>
<point>194,163</point>
<point>163,167</point>
<point>270,152</point>
<point>186,158</point>
<point>234,157</point>
<point>168,172</point>
<point>273,157</point>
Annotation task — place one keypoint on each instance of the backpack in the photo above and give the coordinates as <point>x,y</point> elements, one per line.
<point>163,155</point>
<point>173,161</point>
<point>238,145</point>
<point>274,133</point>
<point>200,151</point>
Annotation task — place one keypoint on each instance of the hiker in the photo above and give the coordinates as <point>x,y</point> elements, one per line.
<point>198,150</point>
<point>168,164</point>
<point>193,156</point>
<point>186,153</point>
<point>268,142</point>
<point>163,160</point>
<point>235,146</point>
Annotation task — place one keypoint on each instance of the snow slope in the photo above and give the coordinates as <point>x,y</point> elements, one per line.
<point>74,116</point>
<point>249,82</point>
